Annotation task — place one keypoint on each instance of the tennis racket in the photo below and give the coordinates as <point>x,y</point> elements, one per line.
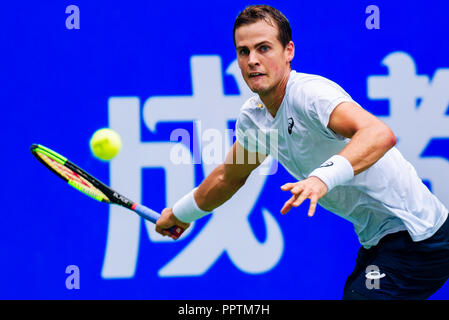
<point>94,188</point>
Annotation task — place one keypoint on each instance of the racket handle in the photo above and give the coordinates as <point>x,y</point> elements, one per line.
<point>152,216</point>
<point>146,213</point>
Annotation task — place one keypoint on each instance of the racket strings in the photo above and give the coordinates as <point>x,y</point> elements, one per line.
<point>74,179</point>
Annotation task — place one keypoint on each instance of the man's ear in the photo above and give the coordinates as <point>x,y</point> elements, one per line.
<point>290,51</point>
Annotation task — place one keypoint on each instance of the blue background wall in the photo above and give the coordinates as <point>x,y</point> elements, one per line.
<point>56,90</point>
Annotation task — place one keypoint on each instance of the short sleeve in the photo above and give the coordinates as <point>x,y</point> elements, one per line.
<point>322,97</point>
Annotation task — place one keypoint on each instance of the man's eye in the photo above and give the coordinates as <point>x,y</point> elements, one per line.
<point>243,51</point>
<point>264,48</point>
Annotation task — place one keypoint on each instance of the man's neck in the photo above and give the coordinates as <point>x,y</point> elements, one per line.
<point>273,99</point>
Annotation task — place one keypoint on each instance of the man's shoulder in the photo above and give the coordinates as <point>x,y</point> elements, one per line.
<point>251,113</point>
<point>252,103</point>
<point>309,84</point>
<point>252,109</point>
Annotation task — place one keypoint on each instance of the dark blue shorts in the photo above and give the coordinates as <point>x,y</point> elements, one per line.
<point>399,268</point>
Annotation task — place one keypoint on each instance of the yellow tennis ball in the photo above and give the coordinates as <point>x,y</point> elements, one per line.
<point>105,144</point>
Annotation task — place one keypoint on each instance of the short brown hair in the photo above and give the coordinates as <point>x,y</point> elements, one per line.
<point>268,14</point>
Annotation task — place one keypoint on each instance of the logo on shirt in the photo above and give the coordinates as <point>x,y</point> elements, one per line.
<point>291,123</point>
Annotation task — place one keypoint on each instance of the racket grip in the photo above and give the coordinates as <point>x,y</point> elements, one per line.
<point>146,213</point>
<point>152,216</point>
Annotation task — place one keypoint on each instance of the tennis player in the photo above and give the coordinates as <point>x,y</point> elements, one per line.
<point>341,157</point>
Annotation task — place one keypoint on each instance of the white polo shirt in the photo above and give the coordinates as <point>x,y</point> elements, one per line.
<point>387,197</point>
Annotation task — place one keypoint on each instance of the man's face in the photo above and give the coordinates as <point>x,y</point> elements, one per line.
<point>263,60</point>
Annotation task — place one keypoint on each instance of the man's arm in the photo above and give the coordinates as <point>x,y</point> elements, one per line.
<point>370,137</point>
<point>370,140</point>
<point>227,178</point>
<point>223,182</point>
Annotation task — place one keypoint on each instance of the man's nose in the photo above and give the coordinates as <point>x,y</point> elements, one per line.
<point>253,59</point>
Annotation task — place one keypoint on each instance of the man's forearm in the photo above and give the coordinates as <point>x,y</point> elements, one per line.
<point>367,146</point>
<point>216,189</point>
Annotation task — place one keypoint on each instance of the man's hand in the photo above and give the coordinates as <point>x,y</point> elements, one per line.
<point>168,220</point>
<point>311,188</point>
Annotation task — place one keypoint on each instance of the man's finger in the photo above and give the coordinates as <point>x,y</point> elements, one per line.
<point>297,189</point>
<point>312,207</point>
<point>288,204</point>
<point>285,209</point>
<point>300,200</point>
<point>162,231</point>
<point>287,186</point>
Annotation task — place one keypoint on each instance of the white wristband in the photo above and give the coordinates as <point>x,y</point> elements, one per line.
<point>186,209</point>
<point>335,171</point>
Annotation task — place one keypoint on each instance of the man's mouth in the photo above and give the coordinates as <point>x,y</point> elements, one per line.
<point>256,74</point>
